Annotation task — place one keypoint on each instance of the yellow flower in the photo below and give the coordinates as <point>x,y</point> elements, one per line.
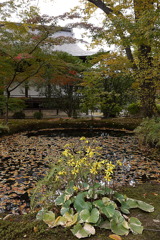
<point>57,178</point>
<point>107,177</point>
<point>61,173</point>
<point>93,171</point>
<point>75,171</point>
<point>67,145</point>
<point>91,154</point>
<point>75,188</point>
<point>119,163</point>
<point>71,162</point>
<point>82,138</point>
<point>66,153</point>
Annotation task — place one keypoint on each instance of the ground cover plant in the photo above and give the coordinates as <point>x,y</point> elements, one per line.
<point>84,196</point>
<point>149,132</point>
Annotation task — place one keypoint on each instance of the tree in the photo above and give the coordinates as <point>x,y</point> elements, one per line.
<point>132,25</point>
<point>60,83</point>
<point>24,50</point>
<point>107,84</point>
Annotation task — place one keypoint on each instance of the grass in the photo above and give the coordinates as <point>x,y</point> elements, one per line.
<point>18,227</point>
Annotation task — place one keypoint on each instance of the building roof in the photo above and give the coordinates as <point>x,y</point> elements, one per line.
<point>71,48</point>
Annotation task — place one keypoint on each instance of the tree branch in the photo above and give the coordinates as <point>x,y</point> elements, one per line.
<point>33,74</point>
<point>100,4</point>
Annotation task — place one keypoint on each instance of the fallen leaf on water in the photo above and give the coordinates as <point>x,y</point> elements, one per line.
<point>115,237</point>
<point>155,194</point>
<point>35,229</point>
<point>156,220</point>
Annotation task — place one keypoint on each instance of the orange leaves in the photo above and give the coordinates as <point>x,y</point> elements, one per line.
<point>115,237</point>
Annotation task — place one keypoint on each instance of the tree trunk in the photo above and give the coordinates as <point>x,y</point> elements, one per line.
<point>146,78</point>
<point>147,82</point>
<point>7,106</point>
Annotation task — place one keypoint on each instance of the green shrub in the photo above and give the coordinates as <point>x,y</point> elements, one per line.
<point>149,132</point>
<point>134,108</point>
<point>4,129</point>
<point>38,115</point>
<point>19,115</point>
<point>158,108</point>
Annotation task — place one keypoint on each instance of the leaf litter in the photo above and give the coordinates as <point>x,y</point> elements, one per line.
<point>25,160</point>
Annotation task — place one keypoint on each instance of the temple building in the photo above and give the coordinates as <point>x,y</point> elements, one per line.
<point>35,98</point>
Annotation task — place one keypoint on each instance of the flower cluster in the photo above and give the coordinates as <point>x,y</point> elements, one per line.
<point>84,162</point>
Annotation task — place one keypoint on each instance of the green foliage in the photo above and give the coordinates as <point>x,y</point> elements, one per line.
<point>38,115</point>
<point>82,201</point>
<point>14,104</point>
<point>134,108</point>
<point>107,85</point>
<point>158,108</point>
<point>19,115</point>
<point>148,132</point>
<point>85,212</point>
<point>3,129</point>
<point>133,30</point>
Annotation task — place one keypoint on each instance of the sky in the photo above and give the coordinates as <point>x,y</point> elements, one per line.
<point>56,7</point>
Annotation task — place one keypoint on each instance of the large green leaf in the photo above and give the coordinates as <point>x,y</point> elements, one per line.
<point>49,218</point>
<point>119,225</point>
<point>78,231</point>
<point>135,225</point>
<point>119,228</point>
<point>132,203</point>
<point>83,231</point>
<point>89,216</point>
<point>70,219</point>
<point>105,224</point>
<point>99,204</point>
<point>125,207</point>
<point>66,206</point>
<point>108,201</point>
<point>120,197</point>
<point>60,199</point>
<point>89,228</point>
<point>41,213</point>
<point>80,203</point>
<point>108,210</point>
<point>145,206</point>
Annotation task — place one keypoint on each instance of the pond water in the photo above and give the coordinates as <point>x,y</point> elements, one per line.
<point>25,158</point>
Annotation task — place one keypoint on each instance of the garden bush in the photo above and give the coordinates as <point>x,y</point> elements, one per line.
<point>149,132</point>
<point>38,115</point>
<point>19,115</point>
<point>158,108</point>
<point>3,129</point>
<point>134,108</point>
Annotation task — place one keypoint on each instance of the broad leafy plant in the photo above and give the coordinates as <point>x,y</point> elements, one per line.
<point>84,200</point>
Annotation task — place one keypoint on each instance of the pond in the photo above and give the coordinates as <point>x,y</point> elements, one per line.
<point>25,158</point>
